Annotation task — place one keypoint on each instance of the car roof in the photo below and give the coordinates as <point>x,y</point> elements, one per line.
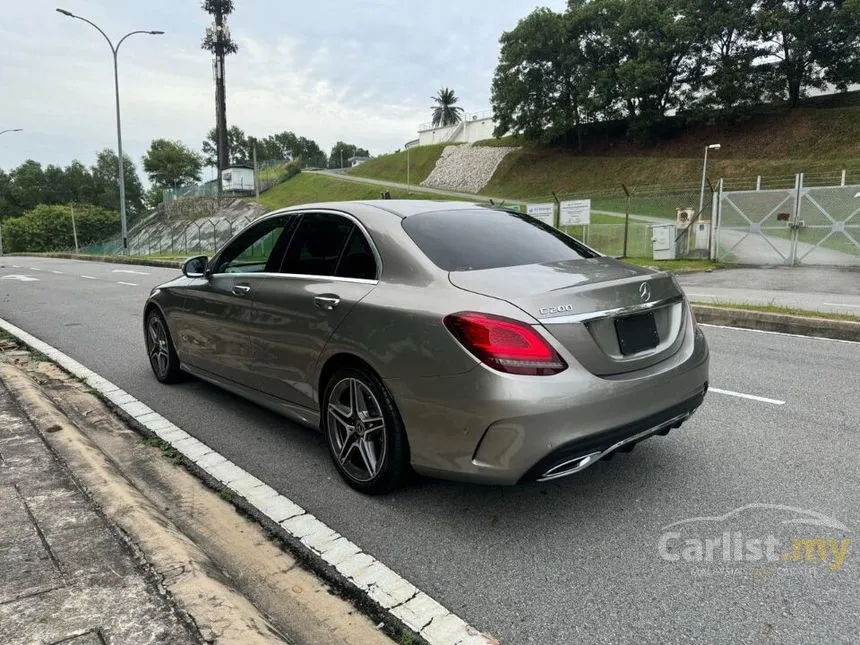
<point>399,207</point>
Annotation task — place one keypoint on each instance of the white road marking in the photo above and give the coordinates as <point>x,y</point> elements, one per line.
<point>778,333</point>
<point>19,278</point>
<point>34,268</point>
<point>18,266</point>
<point>89,277</point>
<point>130,271</point>
<point>691,295</point>
<point>128,284</point>
<point>383,588</point>
<point>827,304</point>
<point>752,397</point>
<point>60,272</point>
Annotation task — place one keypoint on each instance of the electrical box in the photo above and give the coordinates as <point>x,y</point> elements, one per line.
<point>663,241</point>
<point>703,235</point>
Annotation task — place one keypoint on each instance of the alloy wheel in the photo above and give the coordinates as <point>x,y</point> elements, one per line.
<point>159,346</point>
<point>357,430</point>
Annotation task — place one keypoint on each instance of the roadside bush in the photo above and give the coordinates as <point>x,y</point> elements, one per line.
<point>293,168</point>
<point>49,228</point>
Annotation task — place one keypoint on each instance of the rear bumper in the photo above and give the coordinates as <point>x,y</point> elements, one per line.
<point>487,427</point>
<point>579,454</point>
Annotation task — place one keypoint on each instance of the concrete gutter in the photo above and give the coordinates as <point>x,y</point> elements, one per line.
<point>784,323</point>
<point>114,259</point>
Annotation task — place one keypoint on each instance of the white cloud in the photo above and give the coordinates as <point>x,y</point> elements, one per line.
<point>337,69</point>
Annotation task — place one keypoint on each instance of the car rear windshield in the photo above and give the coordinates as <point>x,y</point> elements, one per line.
<point>482,238</point>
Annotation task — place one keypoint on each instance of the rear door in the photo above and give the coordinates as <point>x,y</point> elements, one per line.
<point>328,267</point>
<point>216,323</point>
<point>613,317</point>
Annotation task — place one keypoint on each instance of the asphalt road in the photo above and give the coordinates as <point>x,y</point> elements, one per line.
<point>576,560</point>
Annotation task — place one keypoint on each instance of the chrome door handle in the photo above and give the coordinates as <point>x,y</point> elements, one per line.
<point>241,290</point>
<point>326,303</point>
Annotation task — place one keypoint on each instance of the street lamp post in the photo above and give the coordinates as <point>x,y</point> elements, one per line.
<point>114,50</point>
<point>713,146</point>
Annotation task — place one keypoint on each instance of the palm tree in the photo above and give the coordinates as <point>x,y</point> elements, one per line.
<point>445,112</point>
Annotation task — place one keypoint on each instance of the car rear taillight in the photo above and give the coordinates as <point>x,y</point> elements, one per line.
<point>505,344</point>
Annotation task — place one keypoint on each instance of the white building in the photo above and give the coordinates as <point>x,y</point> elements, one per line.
<point>239,179</point>
<point>474,127</point>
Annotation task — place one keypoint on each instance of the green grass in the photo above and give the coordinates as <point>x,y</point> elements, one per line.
<point>392,167</point>
<point>675,265</point>
<point>308,188</point>
<point>780,309</point>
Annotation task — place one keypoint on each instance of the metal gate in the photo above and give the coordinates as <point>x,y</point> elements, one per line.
<point>794,226</point>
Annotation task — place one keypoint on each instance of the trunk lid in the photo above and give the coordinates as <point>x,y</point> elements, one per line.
<point>611,316</point>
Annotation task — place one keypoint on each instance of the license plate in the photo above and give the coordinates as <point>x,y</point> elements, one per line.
<point>636,333</point>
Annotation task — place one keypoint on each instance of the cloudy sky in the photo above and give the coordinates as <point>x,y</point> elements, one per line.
<point>358,70</point>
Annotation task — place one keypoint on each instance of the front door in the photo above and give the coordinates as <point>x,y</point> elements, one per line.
<point>328,267</point>
<point>217,324</point>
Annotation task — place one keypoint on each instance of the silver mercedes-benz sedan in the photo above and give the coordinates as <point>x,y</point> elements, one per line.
<point>448,338</point>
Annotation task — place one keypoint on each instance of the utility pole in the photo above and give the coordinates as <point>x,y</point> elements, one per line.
<point>217,41</point>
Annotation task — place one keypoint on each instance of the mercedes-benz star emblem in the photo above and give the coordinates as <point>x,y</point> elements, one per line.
<point>645,291</point>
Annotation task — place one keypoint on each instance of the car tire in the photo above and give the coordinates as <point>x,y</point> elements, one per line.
<point>377,459</point>
<point>160,350</point>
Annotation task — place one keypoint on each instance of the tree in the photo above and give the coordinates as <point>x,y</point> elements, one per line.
<point>237,144</point>
<point>170,164</point>
<point>27,186</point>
<point>105,175</point>
<point>815,42</point>
<point>343,151</point>
<point>445,112</point>
<point>541,87</point>
<point>726,77</point>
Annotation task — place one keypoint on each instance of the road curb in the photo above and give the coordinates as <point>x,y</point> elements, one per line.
<point>113,259</point>
<point>783,323</point>
<point>380,590</point>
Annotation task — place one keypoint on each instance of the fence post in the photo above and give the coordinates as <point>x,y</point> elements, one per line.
<point>843,178</point>
<point>757,182</point>
<point>74,227</point>
<point>626,219</point>
<point>715,219</point>
<point>556,212</point>
<point>1,237</point>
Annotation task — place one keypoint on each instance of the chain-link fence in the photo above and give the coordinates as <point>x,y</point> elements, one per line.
<point>269,173</point>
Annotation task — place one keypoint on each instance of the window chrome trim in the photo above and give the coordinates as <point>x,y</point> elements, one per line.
<point>295,276</point>
<point>610,313</point>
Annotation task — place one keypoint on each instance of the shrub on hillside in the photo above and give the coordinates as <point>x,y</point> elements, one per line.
<point>293,168</point>
<point>49,228</point>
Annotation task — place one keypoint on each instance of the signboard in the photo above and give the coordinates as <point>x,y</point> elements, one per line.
<point>543,212</point>
<point>575,212</point>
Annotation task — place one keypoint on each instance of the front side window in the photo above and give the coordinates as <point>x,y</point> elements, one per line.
<point>320,243</point>
<point>252,251</point>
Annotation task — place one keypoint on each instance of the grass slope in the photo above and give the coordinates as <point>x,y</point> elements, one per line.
<point>307,188</point>
<point>392,167</point>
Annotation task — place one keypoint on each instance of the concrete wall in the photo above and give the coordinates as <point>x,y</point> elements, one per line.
<point>469,131</point>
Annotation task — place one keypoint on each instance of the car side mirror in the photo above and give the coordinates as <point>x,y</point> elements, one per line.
<point>195,267</point>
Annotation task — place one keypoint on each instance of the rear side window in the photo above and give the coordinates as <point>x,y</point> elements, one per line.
<point>317,244</point>
<point>481,238</point>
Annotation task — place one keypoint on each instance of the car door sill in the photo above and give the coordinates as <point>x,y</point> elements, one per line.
<point>295,412</point>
